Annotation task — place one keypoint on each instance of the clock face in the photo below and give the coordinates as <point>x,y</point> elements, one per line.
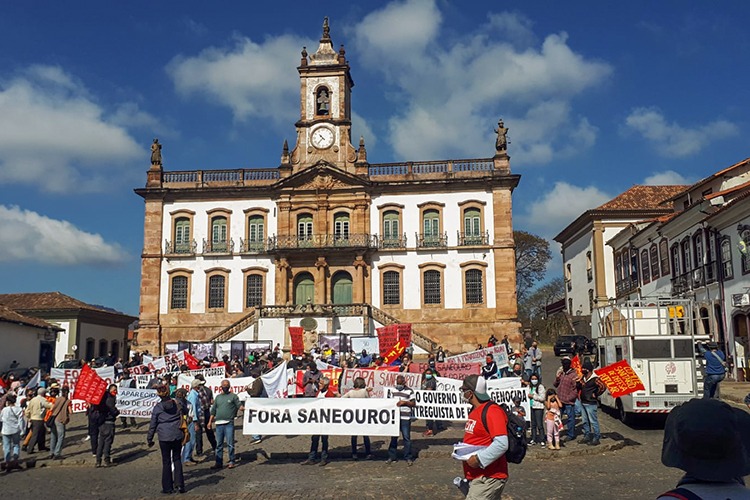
<point>322,137</point>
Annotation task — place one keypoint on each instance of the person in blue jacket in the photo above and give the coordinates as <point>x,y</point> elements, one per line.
<point>715,368</point>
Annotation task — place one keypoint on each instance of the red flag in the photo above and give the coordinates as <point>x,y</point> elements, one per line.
<point>575,363</point>
<point>3,384</point>
<point>404,333</point>
<point>90,387</point>
<point>298,343</point>
<point>387,338</point>
<point>191,362</point>
<point>620,379</point>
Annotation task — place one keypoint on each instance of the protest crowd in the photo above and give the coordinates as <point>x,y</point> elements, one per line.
<point>495,392</point>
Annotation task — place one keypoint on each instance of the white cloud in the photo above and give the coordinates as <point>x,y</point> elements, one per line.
<point>554,210</point>
<point>54,135</point>
<point>252,79</point>
<point>673,140</point>
<point>360,127</point>
<point>513,26</point>
<point>453,89</point>
<point>29,236</point>
<point>666,178</point>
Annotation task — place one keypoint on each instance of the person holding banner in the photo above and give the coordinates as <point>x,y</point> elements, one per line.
<point>489,370</point>
<point>406,404</point>
<point>487,469</point>
<point>166,419</point>
<point>360,391</point>
<point>315,439</point>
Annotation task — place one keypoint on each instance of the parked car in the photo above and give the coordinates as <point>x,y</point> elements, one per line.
<point>573,344</point>
<point>69,364</point>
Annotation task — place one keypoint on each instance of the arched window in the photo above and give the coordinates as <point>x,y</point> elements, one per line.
<point>216,291</point>
<point>391,229</point>
<point>254,291</point>
<point>219,234</point>
<point>474,286</point>
<point>645,274</point>
<point>698,251</point>
<point>255,229</point>
<point>341,288</point>
<point>341,226</point>
<point>179,295</point>
<point>115,349</point>
<point>686,264</point>
<point>676,259</point>
<point>591,299</point>
<point>654,256</point>
<point>431,227</point>
<point>304,288</point>
<point>432,287</point>
<point>89,349</point>
<point>102,348</point>
<point>589,267</point>
<point>664,256</point>
<point>473,226</point>
<point>323,101</point>
<point>726,259</point>
<point>391,288</point>
<point>182,235</point>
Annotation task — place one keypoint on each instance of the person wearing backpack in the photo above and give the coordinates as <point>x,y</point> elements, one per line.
<point>487,425</point>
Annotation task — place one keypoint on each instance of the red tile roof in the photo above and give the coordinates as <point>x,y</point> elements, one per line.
<point>44,301</point>
<point>642,198</point>
<point>10,316</point>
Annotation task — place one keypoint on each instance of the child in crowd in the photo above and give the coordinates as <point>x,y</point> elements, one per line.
<point>552,420</point>
<point>517,409</point>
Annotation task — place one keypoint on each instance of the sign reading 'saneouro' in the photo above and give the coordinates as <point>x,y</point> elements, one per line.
<point>329,416</point>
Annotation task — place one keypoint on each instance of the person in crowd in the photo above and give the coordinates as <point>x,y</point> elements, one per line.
<point>536,359</point>
<point>440,356</point>
<point>13,426</point>
<point>223,412</point>
<point>537,397</point>
<point>431,361</point>
<point>360,391</point>
<point>528,363</point>
<point>108,413</point>
<point>311,380</point>
<point>486,470</point>
<point>256,390</point>
<point>492,341</point>
<point>166,421</point>
<point>36,408</point>
<point>429,383</point>
<point>552,419</point>
<point>365,359</point>
<point>747,400</point>
<point>710,441</point>
<point>567,394</point>
<point>127,382</point>
<point>590,387</point>
<point>194,417</point>
<point>405,364</point>
<point>323,392</point>
<point>406,403</point>
<point>206,398</point>
<point>517,409</point>
<point>61,411</point>
<point>92,417</point>
<point>716,368</point>
<point>518,372</point>
<point>489,369</point>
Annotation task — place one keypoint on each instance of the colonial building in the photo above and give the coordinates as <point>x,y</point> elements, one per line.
<point>328,236</point>
<point>28,341</point>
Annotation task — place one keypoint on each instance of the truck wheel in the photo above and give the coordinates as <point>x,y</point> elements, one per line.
<point>625,418</point>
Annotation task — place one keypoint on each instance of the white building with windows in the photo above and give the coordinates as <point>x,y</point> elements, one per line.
<point>328,236</point>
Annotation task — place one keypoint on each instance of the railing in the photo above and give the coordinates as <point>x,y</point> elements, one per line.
<point>392,242</point>
<point>322,241</point>
<point>695,278</point>
<point>473,239</point>
<point>239,177</point>
<point>218,247</point>
<point>254,246</point>
<point>483,165</point>
<point>626,286</point>
<point>432,240</point>
<point>182,248</point>
<point>236,328</point>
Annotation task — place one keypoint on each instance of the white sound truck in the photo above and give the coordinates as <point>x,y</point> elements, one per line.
<point>657,339</point>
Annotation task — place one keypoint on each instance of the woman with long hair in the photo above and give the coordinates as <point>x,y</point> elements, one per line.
<point>166,423</point>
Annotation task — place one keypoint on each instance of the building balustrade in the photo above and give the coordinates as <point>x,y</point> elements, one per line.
<point>432,240</point>
<point>180,248</point>
<point>253,246</point>
<point>695,278</point>
<point>225,247</point>
<point>392,242</point>
<point>317,241</point>
<point>473,239</point>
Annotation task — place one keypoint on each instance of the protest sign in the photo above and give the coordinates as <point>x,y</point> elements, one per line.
<point>620,379</point>
<point>498,352</point>
<point>157,365</point>
<point>297,335</point>
<point>90,387</point>
<point>277,381</point>
<point>575,363</point>
<point>316,416</point>
<point>369,344</point>
<point>504,396</point>
<point>448,384</point>
<point>377,379</point>
<point>439,405</point>
<point>387,338</point>
<point>458,371</point>
<point>236,385</point>
<point>137,403</point>
<point>69,378</point>
<point>404,333</point>
<point>394,352</point>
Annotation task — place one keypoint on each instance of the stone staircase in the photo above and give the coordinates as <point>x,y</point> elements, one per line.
<point>254,315</point>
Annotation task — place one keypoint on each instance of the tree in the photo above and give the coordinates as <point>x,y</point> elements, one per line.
<point>532,256</point>
<point>531,310</point>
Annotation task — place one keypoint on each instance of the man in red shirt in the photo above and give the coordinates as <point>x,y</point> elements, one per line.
<point>487,469</point>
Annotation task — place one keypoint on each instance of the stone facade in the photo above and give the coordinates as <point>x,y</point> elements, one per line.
<point>326,227</point>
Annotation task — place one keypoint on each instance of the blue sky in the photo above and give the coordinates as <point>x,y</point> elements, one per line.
<point>598,96</point>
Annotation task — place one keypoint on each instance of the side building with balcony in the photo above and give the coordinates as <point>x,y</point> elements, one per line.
<point>700,251</point>
<point>244,254</point>
<point>587,260</point>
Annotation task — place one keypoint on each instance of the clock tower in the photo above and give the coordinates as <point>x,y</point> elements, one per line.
<point>324,127</point>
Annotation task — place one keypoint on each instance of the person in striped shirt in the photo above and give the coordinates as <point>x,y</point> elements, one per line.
<point>405,403</point>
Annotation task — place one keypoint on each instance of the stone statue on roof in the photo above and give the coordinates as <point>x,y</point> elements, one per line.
<point>501,143</point>
<point>156,152</point>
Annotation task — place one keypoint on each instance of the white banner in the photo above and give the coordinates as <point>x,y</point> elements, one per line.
<point>186,378</point>
<point>141,381</point>
<point>504,396</point>
<point>440,405</point>
<point>69,377</point>
<point>237,385</point>
<point>498,352</point>
<point>448,384</point>
<point>277,381</point>
<point>138,403</point>
<point>379,380</point>
<point>321,416</point>
<point>369,344</point>
<point>158,365</point>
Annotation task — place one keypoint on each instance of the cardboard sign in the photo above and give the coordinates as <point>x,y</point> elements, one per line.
<point>504,396</point>
<point>440,405</point>
<point>457,371</point>
<point>620,379</point>
<point>379,380</point>
<point>498,352</point>
<point>316,416</point>
<point>90,387</point>
<point>137,403</point>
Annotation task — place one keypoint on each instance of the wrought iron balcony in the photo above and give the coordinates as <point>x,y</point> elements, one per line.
<point>695,278</point>
<point>253,246</point>
<point>432,240</point>
<point>218,247</point>
<point>473,239</point>
<point>317,241</point>
<point>625,286</point>
<point>185,248</point>
<point>392,242</point>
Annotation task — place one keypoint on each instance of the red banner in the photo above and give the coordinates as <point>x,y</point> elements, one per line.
<point>190,361</point>
<point>404,333</point>
<point>394,353</point>
<point>620,379</point>
<point>575,363</point>
<point>387,338</point>
<point>298,342</point>
<point>90,387</point>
